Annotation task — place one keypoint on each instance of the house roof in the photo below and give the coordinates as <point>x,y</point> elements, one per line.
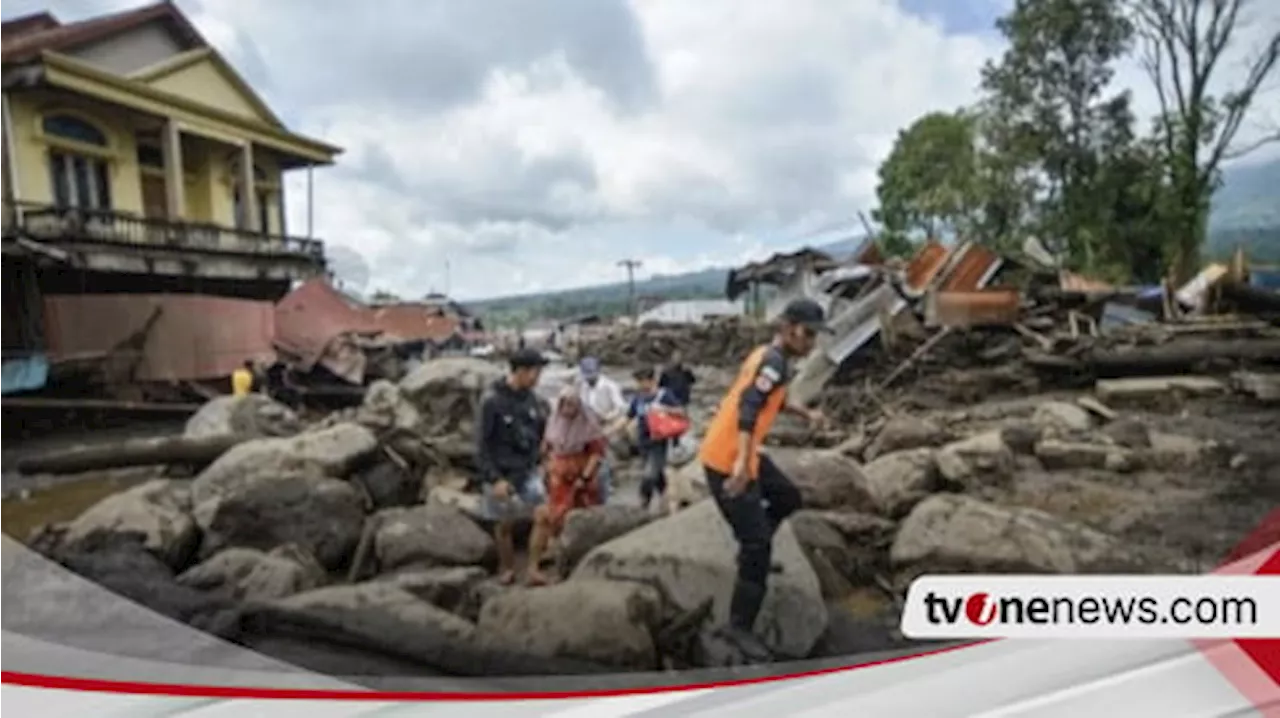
<point>26,37</point>
<point>186,59</point>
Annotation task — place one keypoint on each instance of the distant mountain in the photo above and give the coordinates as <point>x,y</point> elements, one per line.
<point>1246,211</point>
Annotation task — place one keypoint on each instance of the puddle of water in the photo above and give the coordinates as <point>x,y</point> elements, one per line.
<point>19,517</point>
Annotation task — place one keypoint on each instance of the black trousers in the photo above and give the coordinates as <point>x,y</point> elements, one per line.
<point>754,515</point>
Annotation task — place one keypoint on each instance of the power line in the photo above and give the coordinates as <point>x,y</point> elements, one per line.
<point>631,265</point>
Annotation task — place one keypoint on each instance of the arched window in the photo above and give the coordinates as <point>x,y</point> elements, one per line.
<point>78,179</point>
<point>264,201</point>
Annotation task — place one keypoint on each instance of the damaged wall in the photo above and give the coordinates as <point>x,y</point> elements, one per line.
<point>193,337</point>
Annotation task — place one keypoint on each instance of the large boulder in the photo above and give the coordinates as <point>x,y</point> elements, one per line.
<point>907,432</point>
<point>847,549</point>
<point>456,589</point>
<point>121,564</point>
<point>899,480</point>
<point>388,484</point>
<point>470,504</point>
<point>334,451</point>
<point>950,533</point>
<point>584,529</point>
<point>386,408</point>
<point>979,461</point>
<point>157,511</point>
<point>1061,418</point>
<point>826,479</point>
<point>251,415</point>
<point>429,535</point>
<point>251,574</point>
<point>692,557</point>
<point>447,393</point>
<point>383,601</point>
<point>610,622</point>
<point>321,515</point>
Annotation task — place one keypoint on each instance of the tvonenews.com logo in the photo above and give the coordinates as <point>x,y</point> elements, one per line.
<point>1093,606</point>
<point>984,609</point>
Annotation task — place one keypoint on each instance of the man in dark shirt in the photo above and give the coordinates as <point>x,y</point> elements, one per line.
<point>508,452</point>
<point>677,379</point>
<point>753,495</point>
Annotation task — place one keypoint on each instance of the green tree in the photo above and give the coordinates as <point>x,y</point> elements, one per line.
<point>927,181</point>
<point>1052,126</point>
<point>1183,45</point>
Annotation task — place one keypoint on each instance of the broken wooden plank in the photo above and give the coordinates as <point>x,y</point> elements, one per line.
<point>1094,406</point>
<point>1151,387</point>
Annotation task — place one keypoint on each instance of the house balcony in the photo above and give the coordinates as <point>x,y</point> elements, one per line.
<point>120,241</point>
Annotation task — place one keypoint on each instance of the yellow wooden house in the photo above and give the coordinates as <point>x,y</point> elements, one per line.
<point>131,145</point>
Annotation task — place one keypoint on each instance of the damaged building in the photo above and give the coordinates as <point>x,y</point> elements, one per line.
<point>145,231</point>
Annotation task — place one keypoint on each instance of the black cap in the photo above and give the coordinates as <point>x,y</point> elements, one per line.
<point>527,359</point>
<point>808,313</point>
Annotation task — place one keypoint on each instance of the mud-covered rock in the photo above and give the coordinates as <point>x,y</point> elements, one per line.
<point>691,556</point>
<point>826,479</point>
<point>250,415</point>
<point>332,452</point>
<point>321,515</point>
<point>954,533</point>
<point>907,432</point>
<point>609,622</point>
<point>157,511</point>
<point>430,535</point>
<point>1061,418</point>
<point>979,461</point>
<point>251,574</point>
<point>585,529</point>
<point>899,480</point>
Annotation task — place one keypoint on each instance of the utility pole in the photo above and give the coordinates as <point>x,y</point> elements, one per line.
<point>631,265</point>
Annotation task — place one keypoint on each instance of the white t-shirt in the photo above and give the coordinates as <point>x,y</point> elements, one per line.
<point>605,398</point>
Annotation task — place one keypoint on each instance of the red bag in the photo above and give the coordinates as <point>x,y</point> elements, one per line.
<point>662,425</point>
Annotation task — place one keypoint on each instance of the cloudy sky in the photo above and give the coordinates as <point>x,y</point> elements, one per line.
<point>532,145</point>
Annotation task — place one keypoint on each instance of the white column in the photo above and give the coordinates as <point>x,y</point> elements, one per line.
<point>174,177</point>
<point>248,193</point>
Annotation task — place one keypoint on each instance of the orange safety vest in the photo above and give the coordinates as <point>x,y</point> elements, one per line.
<point>719,446</point>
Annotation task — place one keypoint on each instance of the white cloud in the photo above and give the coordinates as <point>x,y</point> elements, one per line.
<point>512,140</point>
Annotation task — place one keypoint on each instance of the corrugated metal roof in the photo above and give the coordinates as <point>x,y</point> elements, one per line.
<point>310,317</point>
<point>413,322</point>
<point>193,337</point>
<point>972,268</point>
<point>925,266</point>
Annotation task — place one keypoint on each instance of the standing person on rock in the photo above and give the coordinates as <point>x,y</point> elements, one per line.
<point>603,397</point>
<point>753,495</point>
<point>509,451</point>
<point>575,449</point>
<point>678,379</point>
<point>653,451</point>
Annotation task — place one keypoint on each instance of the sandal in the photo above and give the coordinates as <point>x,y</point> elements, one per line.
<point>537,578</point>
<point>506,578</point>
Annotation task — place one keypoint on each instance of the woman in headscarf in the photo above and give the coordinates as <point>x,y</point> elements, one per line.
<point>574,446</point>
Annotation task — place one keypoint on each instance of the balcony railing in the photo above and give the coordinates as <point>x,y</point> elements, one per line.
<point>44,222</point>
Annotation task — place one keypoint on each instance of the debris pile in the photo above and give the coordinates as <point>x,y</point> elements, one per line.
<point>722,342</point>
<point>964,324</point>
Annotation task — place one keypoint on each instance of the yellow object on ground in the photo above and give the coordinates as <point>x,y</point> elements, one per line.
<point>241,382</point>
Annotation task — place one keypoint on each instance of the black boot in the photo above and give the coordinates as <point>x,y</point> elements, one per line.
<point>743,610</point>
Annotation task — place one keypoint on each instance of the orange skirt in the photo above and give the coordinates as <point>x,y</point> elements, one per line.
<point>564,493</point>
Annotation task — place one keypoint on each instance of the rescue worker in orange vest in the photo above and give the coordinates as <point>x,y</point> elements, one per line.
<point>753,495</point>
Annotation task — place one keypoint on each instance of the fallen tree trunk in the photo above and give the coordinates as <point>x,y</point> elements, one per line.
<point>139,452</point>
<point>1172,358</point>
